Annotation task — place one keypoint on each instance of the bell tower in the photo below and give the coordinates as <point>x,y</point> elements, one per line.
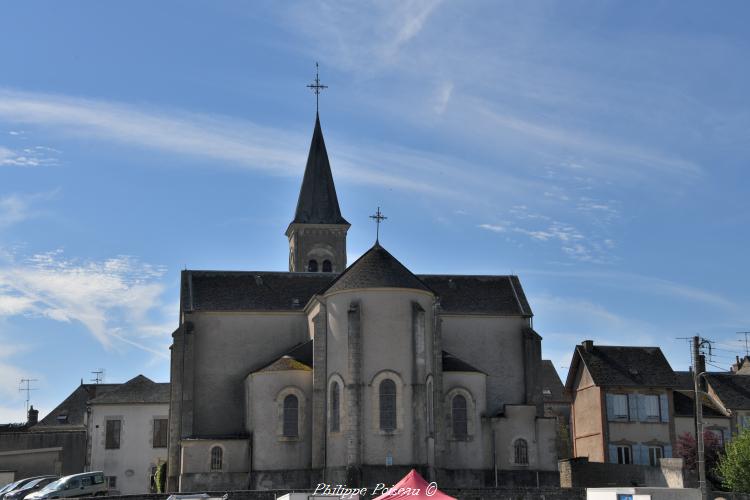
<point>317,235</point>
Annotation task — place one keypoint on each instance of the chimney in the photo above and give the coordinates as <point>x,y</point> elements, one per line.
<point>588,345</point>
<point>33,416</point>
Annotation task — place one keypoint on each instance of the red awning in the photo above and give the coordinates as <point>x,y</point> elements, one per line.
<point>414,487</point>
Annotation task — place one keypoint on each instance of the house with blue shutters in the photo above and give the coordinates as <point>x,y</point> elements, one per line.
<point>622,404</point>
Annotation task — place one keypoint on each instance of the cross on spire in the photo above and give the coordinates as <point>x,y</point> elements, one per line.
<point>379,217</point>
<point>316,87</point>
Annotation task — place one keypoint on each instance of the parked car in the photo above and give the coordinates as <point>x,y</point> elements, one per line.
<point>17,485</point>
<point>30,487</point>
<point>86,484</point>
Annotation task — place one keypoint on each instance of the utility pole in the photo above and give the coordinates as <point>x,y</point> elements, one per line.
<point>698,371</point>
<point>28,390</point>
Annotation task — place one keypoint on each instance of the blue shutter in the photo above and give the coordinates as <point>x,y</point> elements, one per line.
<point>634,403</point>
<point>644,454</point>
<point>610,407</point>
<point>667,451</point>
<point>612,454</point>
<point>664,407</point>
<point>642,411</point>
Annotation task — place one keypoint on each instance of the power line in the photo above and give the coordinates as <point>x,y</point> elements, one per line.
<point>747,351</point>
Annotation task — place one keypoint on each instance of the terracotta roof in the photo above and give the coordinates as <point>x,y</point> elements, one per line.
<point>452,363</point>
<point>139,389</point>
<point>299,357</point>
<point>732,390</point>
<point>376,268</point>
<point>552,386</point>
<point>317,202</point>
<point>624,366</point>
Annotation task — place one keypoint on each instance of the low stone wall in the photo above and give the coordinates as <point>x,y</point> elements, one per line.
<point>462,494</point>
<point>720,495</point>
<point>580,473</point>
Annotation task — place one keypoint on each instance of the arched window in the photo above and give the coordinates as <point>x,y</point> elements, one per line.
<point>430,409</point>
<point>291,416</point>
<point>459,417</point>
<point>327,267</point>
<point>312,266</point>
<point>387,395</point>
<point>335,414</point>
<point>521,452</point>
<point>217,458</point>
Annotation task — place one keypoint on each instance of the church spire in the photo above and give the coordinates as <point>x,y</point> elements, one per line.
<point>317,202</point>
<point>317,235</point>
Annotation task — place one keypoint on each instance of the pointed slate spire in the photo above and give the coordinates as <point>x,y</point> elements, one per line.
<point>317,203</point>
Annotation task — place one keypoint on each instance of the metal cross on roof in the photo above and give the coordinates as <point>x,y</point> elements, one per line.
<point>379,217</point>
<point>316,87</point>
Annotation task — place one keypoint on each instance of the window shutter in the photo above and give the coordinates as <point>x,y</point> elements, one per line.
<point>610,407</point>
<point>664,407</point>
<point>667,451</point>
<point>612,454</point>
<point>635,402</point>
<point>642,453</point>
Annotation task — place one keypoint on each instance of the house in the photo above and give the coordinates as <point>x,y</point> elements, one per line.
<point>54,445</point>
<point>128,432</point>
<point>353,373</point>
<point>557,405</point>
<point>622,404</point>
<point>716,419</point>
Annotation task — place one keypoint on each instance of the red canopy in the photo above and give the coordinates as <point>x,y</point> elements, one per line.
<point>414,487</point>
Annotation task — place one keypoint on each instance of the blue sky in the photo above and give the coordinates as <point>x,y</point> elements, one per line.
<point>597,149</point>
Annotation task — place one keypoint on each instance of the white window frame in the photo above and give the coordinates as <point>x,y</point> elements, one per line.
<point>621,453</point>
<point>653,451</point>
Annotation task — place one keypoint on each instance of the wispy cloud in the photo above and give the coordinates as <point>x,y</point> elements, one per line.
<point>113,299</point>
<point>15,208</point>
<point>35,156</point>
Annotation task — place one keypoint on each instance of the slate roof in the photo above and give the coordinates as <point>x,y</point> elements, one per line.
<point>732,390</point>
<point>551,382</point>
<point>139,389</point>
<point>684,380</point>
<point>317,202</point>
<point>452,363</point>
<point>479,294</point>
<point>299,357</point>
<point>74,406</point>
<point>249,291</point>
<point>376,268</point>
<point>624,366</point>
<point>684,405</point>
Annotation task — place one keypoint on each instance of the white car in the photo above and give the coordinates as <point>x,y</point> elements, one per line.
<point>86,484</point>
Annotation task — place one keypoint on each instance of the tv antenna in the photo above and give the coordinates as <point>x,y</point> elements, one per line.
<point>28,389</point>
<point>98,376</point>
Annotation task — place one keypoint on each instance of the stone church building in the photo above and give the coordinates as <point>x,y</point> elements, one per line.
<point>353,374</point>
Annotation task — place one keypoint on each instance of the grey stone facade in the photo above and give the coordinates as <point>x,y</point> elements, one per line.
<point>434,372</point>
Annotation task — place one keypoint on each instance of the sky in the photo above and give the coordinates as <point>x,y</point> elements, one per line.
<point>597,149</point>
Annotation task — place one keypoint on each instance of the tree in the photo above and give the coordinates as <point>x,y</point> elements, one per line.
<point>687,448</point>
<point>734,466</point>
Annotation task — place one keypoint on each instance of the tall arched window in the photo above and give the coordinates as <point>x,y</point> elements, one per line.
<point>291,416</point>
<point>459,417</point>
<point>217,458</point>
<point>335,402</point>
<point>521,452</point>
<point>387,394</point>
<point>312,266</point>
<point>327,267</point>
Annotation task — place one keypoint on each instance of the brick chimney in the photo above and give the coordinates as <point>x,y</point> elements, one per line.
<point>33,416</point>
<point>588,345</point>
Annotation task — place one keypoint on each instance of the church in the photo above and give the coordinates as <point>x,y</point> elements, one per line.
<point>353,374</point>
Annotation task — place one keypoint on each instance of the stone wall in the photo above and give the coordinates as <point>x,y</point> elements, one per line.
<point>69,460</point>
<point>462,494</point>
<point>580,473</point>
